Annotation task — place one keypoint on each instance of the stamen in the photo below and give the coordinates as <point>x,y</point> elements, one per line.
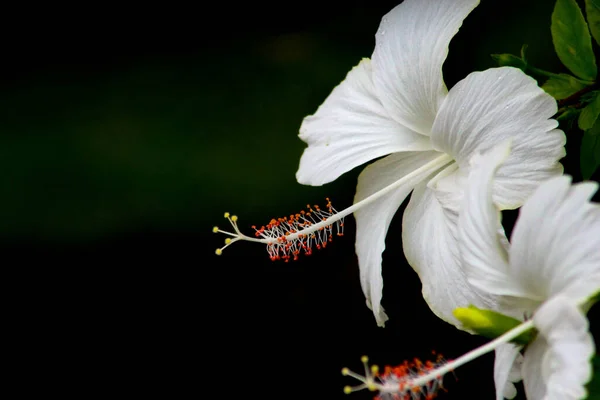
<point>417,380</point>
<point>399,382</point>
<point>286,238</point>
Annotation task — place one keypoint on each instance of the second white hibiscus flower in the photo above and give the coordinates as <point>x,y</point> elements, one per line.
<point>549,271</point>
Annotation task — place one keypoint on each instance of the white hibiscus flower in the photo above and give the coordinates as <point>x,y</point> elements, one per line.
<point>396,105</point>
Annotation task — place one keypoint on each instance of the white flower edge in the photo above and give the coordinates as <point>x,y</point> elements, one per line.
<point>557,364</point>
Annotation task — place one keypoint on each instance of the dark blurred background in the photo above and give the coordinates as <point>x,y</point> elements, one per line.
<point>127,131</point>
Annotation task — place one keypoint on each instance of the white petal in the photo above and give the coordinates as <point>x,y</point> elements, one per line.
<point>535,387</point>
<point>373,220</point>
<point>556,241</point>
<point>350,128</point>
<point>430,245</point>
<point>448,187</point>
<point>566,363</point>
<point>411,46</point>
<point>487,108</point>
<point>485,258</point>
<point>507,370</point>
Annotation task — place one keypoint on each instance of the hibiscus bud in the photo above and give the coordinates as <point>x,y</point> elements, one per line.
<point>490,323</point>
<point>508,60</point>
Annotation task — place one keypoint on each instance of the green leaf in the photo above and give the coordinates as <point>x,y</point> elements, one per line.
<point>589,115</point>
<point>590,151</point>
<point>592,9</point>
<point>562,86</point>
<point>572,40</point>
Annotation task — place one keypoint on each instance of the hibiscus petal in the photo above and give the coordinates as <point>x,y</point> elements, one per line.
<point>507,370</point>
<point>448,185</point>
<point>350,128</point>
<point>533,361</point>
<point>411,46</point>
<point>430,245</point>
<point>487,108</point>
<point>373,220</point>
<point>557,237</point>
<point>565,365</point>
<point>485,258</point>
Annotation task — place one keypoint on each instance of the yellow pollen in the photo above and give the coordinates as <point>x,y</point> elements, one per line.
<point>374,369</point>
<point>372,387</point>
<point>364,359</point>
<point>347,389</point>
<point>226,215</point>
<point>218,252</point>
<point>215,229</point>
<point>234,218</point>
<point>227,241</point>
<point>345,371</point>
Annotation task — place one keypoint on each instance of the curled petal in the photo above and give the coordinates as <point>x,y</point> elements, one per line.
<point>485,258</point>
<point>350,128</point>
<point>373,220</point>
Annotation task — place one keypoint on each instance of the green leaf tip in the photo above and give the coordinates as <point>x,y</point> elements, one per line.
<point>509,60</point>
<point>592,10</point>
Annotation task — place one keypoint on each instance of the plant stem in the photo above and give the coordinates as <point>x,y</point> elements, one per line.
<point>575,97</point>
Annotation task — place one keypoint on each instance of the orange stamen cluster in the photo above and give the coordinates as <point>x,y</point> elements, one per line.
<point>403,374</point>
<point>285,248</point>
<point>398,383</point>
